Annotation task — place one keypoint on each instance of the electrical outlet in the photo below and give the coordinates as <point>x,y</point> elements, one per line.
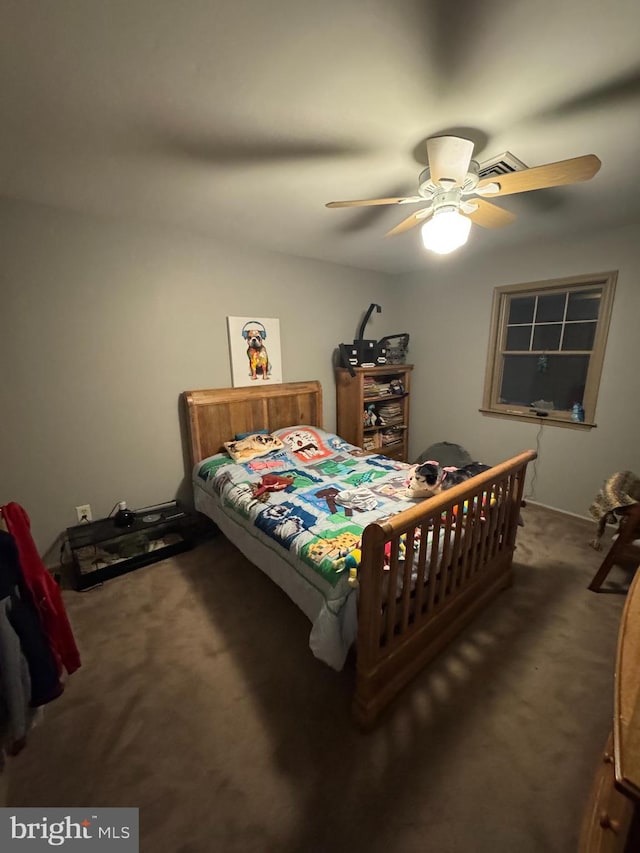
<point>84,513</point>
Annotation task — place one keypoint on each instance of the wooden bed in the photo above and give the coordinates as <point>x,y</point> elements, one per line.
<point>397,635</point>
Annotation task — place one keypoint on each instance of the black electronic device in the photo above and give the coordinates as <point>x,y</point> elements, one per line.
<point>395,347</point>
<point>348,355</point>
<point>364,352</point>
<point>124,517</point>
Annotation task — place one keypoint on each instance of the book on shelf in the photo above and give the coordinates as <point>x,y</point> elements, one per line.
<point>373,387</point>
<point>372,441</point>
<point>391,414</point>
<point>391,437</point>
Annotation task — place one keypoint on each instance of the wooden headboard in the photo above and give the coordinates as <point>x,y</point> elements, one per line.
<point>216,415</point>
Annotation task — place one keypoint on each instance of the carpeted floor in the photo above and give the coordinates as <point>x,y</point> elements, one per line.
<point>200,703</point>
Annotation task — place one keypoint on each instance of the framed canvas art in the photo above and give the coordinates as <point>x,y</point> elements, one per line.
<point>254,347</point>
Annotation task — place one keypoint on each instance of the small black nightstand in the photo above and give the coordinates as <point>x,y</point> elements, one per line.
<point>101,551</point>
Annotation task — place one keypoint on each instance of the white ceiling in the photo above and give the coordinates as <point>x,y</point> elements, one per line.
<point>241,118</point>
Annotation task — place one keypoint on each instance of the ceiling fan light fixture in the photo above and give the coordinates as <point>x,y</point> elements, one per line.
<point>446,231</point>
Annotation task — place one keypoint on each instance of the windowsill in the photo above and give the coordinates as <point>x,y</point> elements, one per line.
<point>531,417</point>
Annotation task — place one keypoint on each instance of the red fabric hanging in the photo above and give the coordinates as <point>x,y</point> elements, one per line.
<point>44,590</point>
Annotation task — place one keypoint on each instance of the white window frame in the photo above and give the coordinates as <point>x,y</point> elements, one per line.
<point>497,339</point>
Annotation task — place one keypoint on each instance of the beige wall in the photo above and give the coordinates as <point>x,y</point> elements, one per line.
<point>102,325</point>
<point>448,310</point>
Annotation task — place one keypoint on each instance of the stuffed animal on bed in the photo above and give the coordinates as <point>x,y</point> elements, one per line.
<point>430,478</point>
<point>489,499</point>
<point>252,446</point>
<point>424,480</point>
<point>271,483</point>
<point>350,561</point>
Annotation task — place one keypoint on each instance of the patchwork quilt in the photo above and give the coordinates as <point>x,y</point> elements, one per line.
<point>314,496</point>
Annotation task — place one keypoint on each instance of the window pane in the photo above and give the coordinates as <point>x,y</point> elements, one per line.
<point>550,307</point>
<point>547,337</point>
<point>521,309</point>
<point>562,380</point>
<point>584,305</point>
<point>558,373</point>
<point>579,336</point>
<point>518,338</point>
<point>518,378</point>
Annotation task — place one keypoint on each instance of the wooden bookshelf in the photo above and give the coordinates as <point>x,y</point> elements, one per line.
<point>375,386</point>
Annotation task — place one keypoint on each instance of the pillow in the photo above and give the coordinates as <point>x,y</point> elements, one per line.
<point>311,444</point>
<point>252,446</point>
<point>240,435</point>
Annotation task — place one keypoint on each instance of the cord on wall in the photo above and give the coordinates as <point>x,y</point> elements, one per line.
<point>532,487</point>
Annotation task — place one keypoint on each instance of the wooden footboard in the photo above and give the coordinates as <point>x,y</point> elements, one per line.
<point>458,549</point>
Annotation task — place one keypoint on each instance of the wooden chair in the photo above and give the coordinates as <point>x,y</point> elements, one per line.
<point>623,548</point>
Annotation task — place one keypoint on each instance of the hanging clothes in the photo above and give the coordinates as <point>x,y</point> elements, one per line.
<point>15,686</point>
<point>28,669</point>
<point>22,618</point>
<point>44,591</point>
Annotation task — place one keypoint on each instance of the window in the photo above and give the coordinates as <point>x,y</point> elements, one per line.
<point>546,348</point>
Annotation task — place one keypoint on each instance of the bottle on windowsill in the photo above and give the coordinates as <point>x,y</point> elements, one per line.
<point>577,413</point>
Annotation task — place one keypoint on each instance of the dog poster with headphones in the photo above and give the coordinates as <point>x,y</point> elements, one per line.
<point>254,347</point>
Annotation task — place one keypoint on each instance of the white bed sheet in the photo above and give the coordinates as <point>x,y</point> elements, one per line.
<point>332,611</point>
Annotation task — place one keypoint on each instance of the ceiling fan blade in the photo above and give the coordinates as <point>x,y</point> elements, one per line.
<point>488,215</point>
<point>449,158</point>
<point>552,175</point>
<point>416,218</point>
<point>370,201</point>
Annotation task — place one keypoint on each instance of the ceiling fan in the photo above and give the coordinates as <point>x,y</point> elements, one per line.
<point>455,195</point>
